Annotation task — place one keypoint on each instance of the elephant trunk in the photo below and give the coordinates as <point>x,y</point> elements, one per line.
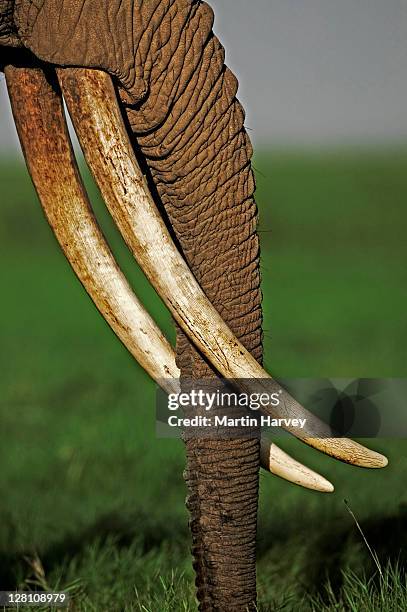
<point>199,163</point>
<point>223,482</point>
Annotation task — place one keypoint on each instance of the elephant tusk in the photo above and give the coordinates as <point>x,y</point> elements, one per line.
<point>37,109</point>
<point>95,113</point>
<point>276,461</point>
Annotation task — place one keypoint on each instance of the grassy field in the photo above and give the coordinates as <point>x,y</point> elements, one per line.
<point>93,502</point>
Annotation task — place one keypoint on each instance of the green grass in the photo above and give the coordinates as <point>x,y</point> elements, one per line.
<point>389,594</point>
<point>97,501</point>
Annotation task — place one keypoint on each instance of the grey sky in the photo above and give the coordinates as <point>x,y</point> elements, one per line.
<point>311,71</point>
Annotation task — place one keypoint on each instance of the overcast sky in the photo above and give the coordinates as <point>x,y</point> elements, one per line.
<point>311,72</point>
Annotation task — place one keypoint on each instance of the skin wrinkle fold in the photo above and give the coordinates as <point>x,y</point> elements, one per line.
<point>223,259</point>
<point>210,223</point>
<point>203,116</point>
<point>181,141</point>
<point>8,32</point>
<point>231,245</point>
<point>210,187</point>
<point>206,276</point>
<point>240,210</point>
<point>209,115</point>
<point>181,104</point>
<point>199,165</point>
<point>196,119</point>
<point>200,255</point>
<point>195,87</point>
<point>217,127</point>
<point>186,77</point>
<point>177,79</point>
<point>205,204</point>
<point>147,115</point>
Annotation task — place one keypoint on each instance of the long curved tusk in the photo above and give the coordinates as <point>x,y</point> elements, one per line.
<point>40,121</point>
<point>93,106</point>
<point>38,111</point>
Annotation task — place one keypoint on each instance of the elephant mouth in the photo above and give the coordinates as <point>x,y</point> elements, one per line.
<point>36,97</point>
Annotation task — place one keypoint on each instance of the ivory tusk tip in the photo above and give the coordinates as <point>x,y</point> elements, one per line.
<point>349,451</point>
<point>381,461</point>
<point>370,460</point>
<point>319,483</point>
<point>326,486</point>
<point>277,462</point>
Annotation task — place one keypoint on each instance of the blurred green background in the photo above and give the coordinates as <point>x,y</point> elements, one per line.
<point>93,501</point>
